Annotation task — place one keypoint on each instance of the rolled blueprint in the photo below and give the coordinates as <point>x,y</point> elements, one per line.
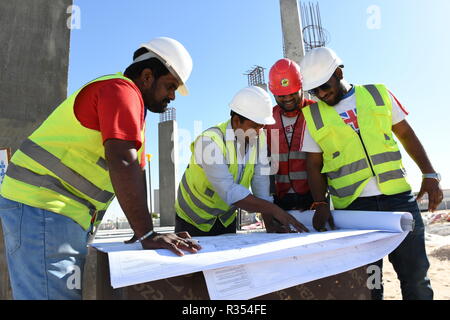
<point>362,220</point>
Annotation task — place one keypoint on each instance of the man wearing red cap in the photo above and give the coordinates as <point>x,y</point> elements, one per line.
<point>285,137</point>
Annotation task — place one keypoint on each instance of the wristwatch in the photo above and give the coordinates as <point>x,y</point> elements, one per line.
<point>435,175</point>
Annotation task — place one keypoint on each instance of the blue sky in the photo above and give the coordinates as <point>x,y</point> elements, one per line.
<point>408,51</point>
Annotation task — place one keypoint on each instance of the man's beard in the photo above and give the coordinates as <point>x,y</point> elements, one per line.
<point>339,95</point>
<point>158,107</point>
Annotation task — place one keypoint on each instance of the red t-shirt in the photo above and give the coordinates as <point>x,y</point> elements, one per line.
<point>115,108</point>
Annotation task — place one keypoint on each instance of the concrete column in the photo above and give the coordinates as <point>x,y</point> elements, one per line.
<point>34,59</point>
<point>168,160</point>
<point>292,30</point>
<point>5,288</point>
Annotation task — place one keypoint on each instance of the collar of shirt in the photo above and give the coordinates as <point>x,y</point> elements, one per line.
<point>230,136</point>
<point>350,93</point>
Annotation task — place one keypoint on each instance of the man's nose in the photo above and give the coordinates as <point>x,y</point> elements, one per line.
<point>287,98</point>
<point>320,93</point>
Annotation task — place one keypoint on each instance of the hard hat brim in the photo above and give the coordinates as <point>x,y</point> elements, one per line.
<point>183,90</point>
<point>284,91</point>
<point>265,121</point>
<point>309,85</point>
<point>269,120</point>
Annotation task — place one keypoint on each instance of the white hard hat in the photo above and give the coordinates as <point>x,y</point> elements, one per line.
<point>317,66</point>
<point>253,103</point>
<point>173,55</point>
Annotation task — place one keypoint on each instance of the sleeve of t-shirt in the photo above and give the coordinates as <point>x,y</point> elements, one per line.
<point>309,144</point>
<point>399,113</point>
<point>121,112</point>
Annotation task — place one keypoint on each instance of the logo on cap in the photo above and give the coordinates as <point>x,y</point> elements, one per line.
<point>285,82</point>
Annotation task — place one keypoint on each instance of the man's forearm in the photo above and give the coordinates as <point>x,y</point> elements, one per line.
<point>316,180</point>
<point>128,180</point>
<point>318,186</point>
<point>413,146</point>
<point>254,204</point>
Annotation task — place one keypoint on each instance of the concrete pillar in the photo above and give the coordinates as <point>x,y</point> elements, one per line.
<point>34,59</point>
<point>89,281</point>
<point>168,160</point>
<point>156,200</point>
<point>292,30</point>
<point>5,288</point>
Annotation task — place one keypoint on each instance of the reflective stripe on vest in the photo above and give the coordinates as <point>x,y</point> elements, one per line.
<point>386,157</point>
<point>316,116</point>
<point>53,164</point>
<point>391,175</point>
<point>375,94</point>
<point>348,169</point>
<point>299,175</point>
<point>51,183</point>
<point>191,214</point>
<point>346,191</point>
<point>198,203</point>
<point>291,155</point>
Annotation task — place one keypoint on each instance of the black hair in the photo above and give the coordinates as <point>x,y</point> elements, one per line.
<point>134,70</point>
<point>241,118</point>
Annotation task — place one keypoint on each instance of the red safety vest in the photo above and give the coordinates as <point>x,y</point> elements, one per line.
<point>291,160</point>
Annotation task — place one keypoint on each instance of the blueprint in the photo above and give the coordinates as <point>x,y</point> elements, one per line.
<point>251,280</point>
<point>357,232</point>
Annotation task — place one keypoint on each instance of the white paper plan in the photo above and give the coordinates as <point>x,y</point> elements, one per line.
<point>251,280</point>
<point>129,264</point>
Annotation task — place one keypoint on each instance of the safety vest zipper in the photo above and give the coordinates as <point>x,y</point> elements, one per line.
<point>367,154</point>
<point>289,145</point>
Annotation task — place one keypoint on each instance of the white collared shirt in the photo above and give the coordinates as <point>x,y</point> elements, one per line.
<point>216,169</point>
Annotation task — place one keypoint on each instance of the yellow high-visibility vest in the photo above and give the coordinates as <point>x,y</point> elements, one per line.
<point>351,159</point>
<point>61,167</point>
<point>197,203</point>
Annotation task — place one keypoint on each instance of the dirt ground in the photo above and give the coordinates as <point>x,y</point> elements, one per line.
<point>437,240</point>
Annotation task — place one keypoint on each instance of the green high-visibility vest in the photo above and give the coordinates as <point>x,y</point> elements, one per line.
<point>61,167</point>
<point>197,202</point>
<point>351,159</point>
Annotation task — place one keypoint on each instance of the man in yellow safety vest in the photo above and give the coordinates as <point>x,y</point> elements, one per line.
<point>352,154</point>
<point>65,174</point>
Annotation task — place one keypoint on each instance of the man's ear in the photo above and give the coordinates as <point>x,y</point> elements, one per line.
<point>339,73</point>
<point>235,121</point>
<point>147,78</point>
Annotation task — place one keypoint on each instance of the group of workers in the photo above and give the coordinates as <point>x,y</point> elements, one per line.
<point>338,147</point>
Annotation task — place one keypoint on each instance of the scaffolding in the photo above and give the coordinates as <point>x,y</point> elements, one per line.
<point>314,34</point>
<point>169,115</point>
<point>256,76</point>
